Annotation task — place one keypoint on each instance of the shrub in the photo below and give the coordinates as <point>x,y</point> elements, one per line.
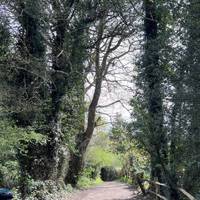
<point>9,175</point>
<point>108,173</point>
<point>91,171</point>
<point>46,190</point>
<point>85,182</point>
<point>11,138</point>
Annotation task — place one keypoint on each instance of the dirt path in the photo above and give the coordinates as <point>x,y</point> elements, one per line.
<point>107,191</point>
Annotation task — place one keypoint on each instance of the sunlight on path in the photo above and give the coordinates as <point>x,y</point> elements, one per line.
<point>107,191</point>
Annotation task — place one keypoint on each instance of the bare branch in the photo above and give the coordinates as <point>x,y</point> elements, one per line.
<point>110,104</point>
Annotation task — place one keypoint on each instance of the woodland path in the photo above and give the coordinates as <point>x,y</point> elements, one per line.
<point>108,191</point>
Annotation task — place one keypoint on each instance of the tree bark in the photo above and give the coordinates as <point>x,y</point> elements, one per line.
<point>191,180</point>
<point>76,162</point>
<point>82,140</point>
<point>154,75</point>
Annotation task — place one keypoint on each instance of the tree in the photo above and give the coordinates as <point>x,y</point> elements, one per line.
<point>151,81</point>
<point>30,57</point>
<point>153,76</point>
<point>105,43</point>
<point>192,61</point>
<point>5,40</point>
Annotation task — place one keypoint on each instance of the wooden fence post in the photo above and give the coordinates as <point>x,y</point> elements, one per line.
<point>139,178</point>
<point>157,188</point>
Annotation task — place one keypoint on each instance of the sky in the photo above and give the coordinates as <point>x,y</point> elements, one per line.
<point>118,90</point>
<point>119,93</point>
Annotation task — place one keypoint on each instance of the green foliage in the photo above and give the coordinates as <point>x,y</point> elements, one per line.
<point>43,69</point>
<point>119,137</point>
<point>72,121</point>
<point>44,190</point>
<point>13,140</point>
<point>108,173</point>
<point>125,142</point>
<point>91,171</point>
<point>11,137</point>
<point>9,173</point>
<point>99,154</point>
<point>103,157</point>
<point>5,38</point>
<point>126,179</point>
<point>85,182</point>
<point>30,20</point>
<point>171,92</point>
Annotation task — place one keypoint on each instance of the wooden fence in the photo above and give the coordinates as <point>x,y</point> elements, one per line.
<point>157,185</point>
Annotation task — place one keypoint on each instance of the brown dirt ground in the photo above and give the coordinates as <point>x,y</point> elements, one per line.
<point>108,191</point>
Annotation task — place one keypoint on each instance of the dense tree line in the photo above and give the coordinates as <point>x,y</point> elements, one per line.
<point>165,104</point>
<point>53,52</point>
<point>54,46</point>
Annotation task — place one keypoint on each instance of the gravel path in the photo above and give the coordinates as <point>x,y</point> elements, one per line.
<point>107,191</point>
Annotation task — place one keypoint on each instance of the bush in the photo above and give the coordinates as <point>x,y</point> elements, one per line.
<point>9,175</point>
<point>126,179</point>
<point>90,176</point>
<point>85,182</point>
<point>45,190</point>
<point>11,138</point>
<point>108,173</point>
<point>98,156</point>
<point>91,171</point>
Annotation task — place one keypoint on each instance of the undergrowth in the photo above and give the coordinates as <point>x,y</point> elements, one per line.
<point>85,182</point>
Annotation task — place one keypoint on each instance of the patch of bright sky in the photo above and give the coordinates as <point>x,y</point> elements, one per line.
<point>119,87</point>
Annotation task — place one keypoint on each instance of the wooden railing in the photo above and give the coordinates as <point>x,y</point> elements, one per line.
<point>157,186</point>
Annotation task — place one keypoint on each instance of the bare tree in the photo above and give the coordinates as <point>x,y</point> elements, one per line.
<point>108,36</point>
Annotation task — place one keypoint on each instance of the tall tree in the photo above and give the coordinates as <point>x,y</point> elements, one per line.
<point>30,66</point>
<point>28,80</point>
<point>69,53</point>
<point>5,41</point>
<point>107,36</point>
<point>153,71</point>
<point>192,61</point>
<point>153,76</point>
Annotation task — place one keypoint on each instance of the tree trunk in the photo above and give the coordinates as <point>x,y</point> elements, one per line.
<point>154,75</point>
<point>76,163</point>
<point>174,138</point>
<point>82,140</point>
<point>43,163</point>
<point>192,180</point>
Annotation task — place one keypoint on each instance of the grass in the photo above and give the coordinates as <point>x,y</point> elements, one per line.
<point>85,182</point>
<point>126,180</point>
